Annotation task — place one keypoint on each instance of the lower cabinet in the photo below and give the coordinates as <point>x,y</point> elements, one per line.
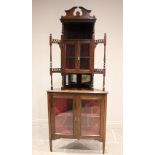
<point>77,116</point>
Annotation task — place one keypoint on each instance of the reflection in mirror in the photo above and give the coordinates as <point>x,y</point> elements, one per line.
<point>73,78</point>
<point>86,78</point>
<point>67,79</point>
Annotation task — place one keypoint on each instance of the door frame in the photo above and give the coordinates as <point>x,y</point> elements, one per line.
<point>65,96</point>
<point>84,97</point>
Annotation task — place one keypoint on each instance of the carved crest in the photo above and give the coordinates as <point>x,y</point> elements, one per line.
<point>73,13</point>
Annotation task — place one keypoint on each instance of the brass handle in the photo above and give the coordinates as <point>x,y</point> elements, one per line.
<point>78,58</point>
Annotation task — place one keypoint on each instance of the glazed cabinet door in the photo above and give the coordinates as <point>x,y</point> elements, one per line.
<point>70,56</point>
<point>90,116</point>
<point>64,114</point>
<point>77,56</point>
<point>85,53</point>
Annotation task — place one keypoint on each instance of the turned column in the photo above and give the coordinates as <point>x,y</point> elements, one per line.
<point>104,61</point>
<point>50,43</point>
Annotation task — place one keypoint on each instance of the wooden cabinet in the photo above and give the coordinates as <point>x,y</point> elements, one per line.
<point>77,114</point>
<point>77,56</point>
<point>77,110</point>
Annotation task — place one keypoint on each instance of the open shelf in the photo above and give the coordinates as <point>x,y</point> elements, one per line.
<point>78,80</point>
<point>78,30</point>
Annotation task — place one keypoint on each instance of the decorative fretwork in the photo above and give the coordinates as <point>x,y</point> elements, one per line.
<point>99,71</point>
<point>102,71</point>
<point>99,41</point>
<point>55,70</point>
<point>56,41</point>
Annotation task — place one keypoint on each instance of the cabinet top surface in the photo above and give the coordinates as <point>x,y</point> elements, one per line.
<point>94,91</point>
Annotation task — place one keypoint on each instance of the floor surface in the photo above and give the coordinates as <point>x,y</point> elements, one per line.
<point>40,143</point>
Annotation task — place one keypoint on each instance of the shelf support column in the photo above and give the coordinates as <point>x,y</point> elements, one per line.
<point>104,61</point>
<point>50,43</point>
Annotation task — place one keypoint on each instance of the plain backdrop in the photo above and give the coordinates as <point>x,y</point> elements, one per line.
<point>138,68</point>
<point>46,15</point>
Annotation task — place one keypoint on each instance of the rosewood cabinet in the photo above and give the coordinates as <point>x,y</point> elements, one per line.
<point>78,56</point>
<point>77,114</point>
<point>77,110</point>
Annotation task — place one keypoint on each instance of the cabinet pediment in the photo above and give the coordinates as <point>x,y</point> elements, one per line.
<point>78,13</point>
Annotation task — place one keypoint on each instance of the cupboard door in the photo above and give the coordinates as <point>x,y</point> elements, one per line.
<point>84,56</point>
<point>78,56</point>
<point>70,55</point>
<point>90,120</point>
<point>63,107</point>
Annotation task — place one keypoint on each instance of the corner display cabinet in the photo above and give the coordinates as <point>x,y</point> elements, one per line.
<point>77,110</point>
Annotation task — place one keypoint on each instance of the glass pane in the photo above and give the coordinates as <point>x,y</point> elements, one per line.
<point>84,50</point>
<point>90,117</point>
<point>70,50</point>
<point>63,109</point>
<point>84,63</point>
<point>70,63</point>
